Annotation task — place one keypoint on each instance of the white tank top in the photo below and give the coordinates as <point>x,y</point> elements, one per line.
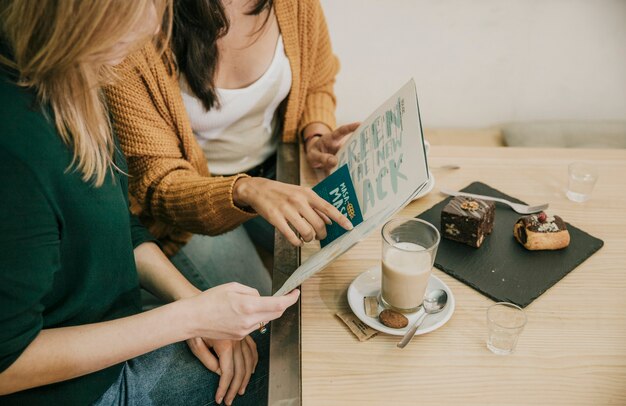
<point>240,134</point>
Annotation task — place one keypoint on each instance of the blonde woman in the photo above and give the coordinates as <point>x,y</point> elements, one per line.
<point>243,76</point>
<point>71,255</point>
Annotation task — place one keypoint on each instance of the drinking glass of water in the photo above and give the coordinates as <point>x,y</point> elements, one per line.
<point>506,322</point>
<point>582,179</point>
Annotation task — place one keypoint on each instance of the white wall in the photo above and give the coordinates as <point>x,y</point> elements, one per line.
<point>482,62</point>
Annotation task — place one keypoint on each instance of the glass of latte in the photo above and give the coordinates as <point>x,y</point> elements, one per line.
<point>408,253</point>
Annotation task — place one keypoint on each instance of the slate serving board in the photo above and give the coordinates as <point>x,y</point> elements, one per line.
<point>502,269</point>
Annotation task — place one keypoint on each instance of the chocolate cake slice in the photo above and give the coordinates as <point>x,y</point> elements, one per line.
<point>467,220</point>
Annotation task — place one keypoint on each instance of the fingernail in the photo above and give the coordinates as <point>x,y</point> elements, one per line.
<point>350,226</point>
<point>219,372</point>
<point>219,401</point>
<point>243,392</point>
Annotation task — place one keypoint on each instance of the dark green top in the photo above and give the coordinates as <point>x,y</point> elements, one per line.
<point>66,247</point>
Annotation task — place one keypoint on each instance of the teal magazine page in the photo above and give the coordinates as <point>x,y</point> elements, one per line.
<point>385,161</point>
<point>338,190</point>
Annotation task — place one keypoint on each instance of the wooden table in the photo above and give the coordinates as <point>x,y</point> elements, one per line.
<point>573,349</point>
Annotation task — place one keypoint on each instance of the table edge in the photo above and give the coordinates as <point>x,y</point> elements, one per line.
<point>285,372</point>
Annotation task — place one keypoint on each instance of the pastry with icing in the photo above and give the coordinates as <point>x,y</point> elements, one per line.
<point>541,232</point>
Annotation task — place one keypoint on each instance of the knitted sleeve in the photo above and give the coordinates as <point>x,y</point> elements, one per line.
<point>320,98</point>
<point>163,179</point>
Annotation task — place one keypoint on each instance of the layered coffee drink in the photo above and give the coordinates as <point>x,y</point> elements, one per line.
<point>406,270</point>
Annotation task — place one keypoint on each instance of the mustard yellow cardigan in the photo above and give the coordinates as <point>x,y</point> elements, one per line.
<point>170,185</point>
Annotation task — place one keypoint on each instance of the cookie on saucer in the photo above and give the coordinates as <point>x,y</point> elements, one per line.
<point>393,319</point>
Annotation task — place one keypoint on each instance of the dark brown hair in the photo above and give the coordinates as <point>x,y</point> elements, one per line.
<point>198,24</point>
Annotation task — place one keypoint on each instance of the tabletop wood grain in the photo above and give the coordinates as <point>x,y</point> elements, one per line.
<point>573,349</point>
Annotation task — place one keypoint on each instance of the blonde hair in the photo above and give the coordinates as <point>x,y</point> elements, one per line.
<point>54,44</point>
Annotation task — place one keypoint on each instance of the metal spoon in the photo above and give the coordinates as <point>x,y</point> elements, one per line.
<point>434,302</point>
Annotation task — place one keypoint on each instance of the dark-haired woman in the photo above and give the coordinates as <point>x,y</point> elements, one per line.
<point>242,75</point>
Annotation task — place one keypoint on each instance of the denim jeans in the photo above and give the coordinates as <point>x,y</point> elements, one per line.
<point>260,230</point>
<point>172,375</point>
<point>208,261</point>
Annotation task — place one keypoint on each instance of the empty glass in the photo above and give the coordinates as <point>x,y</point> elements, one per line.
<point>582,179</point>
<point>506,322</point>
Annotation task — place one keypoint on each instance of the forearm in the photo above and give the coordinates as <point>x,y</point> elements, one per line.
<point>64,353</point>
<point>320,102</point>
<point>171,191</point>
<point>319,108</point>
<point>159,276</point>
<point>313,129</point>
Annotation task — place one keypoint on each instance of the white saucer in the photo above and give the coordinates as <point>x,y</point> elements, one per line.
<point>428,188</point>
<point>368,284</point>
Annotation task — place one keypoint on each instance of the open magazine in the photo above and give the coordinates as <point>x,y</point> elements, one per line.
<point>386,162</point>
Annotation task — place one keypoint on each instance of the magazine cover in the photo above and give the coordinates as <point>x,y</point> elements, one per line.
<point>382,165</point>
